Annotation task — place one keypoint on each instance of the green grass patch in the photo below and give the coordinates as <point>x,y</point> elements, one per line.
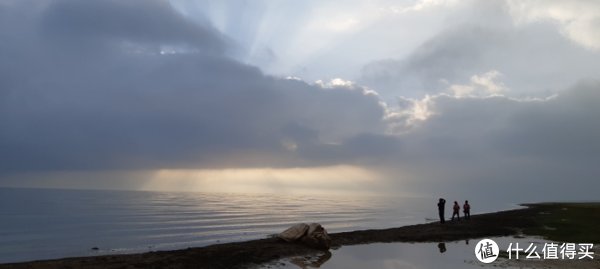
<point>567,222</point>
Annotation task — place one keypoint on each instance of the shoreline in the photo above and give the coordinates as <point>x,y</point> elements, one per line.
<point>256,252</point>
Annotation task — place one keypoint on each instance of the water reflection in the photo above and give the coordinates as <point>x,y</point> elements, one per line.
<point>442,247</point>
<point>311,261</point>
<point>454,254</point>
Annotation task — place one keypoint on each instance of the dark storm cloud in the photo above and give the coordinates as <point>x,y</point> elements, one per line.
<point>151,22</point>
<point>561,127</point>
<point>531,150</point>
<point>87,87</point>
<point>564,129</point>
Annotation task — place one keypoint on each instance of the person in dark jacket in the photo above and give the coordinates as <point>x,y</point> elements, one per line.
<point>441,205</point>
<point>467,210</point>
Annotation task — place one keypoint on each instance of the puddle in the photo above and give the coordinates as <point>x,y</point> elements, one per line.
<point>455,254</point>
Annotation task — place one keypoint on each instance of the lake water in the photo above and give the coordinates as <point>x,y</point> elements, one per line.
<point>43,223</point>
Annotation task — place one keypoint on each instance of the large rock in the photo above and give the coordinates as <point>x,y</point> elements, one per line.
<point>294,233</point>
<point>313,235</point>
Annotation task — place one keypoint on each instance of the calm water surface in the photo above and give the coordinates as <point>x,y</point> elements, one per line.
<point>456,254</point>
<point>42,224</point>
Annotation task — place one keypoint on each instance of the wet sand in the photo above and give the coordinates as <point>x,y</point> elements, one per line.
<point>255,252</point>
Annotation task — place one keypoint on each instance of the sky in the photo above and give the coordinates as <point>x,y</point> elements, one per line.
<point>494,98</point>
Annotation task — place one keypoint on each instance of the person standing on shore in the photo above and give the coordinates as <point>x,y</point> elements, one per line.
<point>441,206</point>
<point>456,208</point>
<point>467,210</point>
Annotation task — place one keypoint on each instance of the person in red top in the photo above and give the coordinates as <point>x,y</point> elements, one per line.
<point>467,210</point>
<point>456,208</point>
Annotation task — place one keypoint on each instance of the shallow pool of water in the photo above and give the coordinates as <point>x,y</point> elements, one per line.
<point>455,254</point>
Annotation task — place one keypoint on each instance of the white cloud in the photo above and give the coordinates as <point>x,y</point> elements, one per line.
<point>421,5</point>
<point>335,83</point>
<point>578,20</point>
<point>535,58</point>
<point>486,84</point>
<point>341,25</point>
<point>409,114</point>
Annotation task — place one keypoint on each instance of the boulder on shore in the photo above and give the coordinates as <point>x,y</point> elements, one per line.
<point>312,235</point>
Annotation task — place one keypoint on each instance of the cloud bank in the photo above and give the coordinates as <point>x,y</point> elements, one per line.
<point>92,91</point>
<point>137,86</point>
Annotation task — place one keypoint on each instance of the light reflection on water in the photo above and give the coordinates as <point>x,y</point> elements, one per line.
<point>42,224</point>
<point>455,254</point>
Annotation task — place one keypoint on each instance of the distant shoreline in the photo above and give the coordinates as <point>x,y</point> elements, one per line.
<point>526,220</point>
